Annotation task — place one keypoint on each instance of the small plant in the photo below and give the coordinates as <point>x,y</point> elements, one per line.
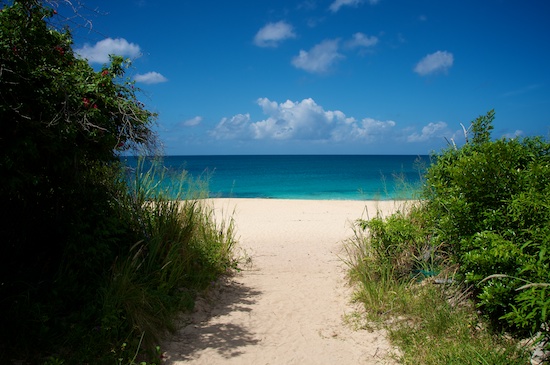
<point>385,255</point>
<point>53,360</point>
<point>122,358</point>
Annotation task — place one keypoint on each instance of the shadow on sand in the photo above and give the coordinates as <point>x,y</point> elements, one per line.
<point>205,328</point>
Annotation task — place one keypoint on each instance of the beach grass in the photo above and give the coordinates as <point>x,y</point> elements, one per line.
<point>183,250</point>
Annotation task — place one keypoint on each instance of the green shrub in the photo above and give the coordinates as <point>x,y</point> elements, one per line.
<point>491,200</point>
<point>400,242</point>
<point>485,222</point>
<point>62,125</point>
<point>386,254</point>
<point>88,264</point>
<point>391,262</point>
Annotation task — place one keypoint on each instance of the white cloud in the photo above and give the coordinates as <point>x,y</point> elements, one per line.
<point>192,122</point>
<point>303,120</point>
<point>99,53</point>
<point>439,61</point>
<point>337,4</point>
<point>368,130</point>
<point>361,40</point>
<point>236,127</point>
<point>150,78</point>
<point>293,120</point>
<point>430,131</point>
<point>272,34</point>
<point>320,58</point>
<point>515,134</point>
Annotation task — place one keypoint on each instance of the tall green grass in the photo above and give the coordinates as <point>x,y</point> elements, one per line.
<point>166,245</point>
<point>183,248</point>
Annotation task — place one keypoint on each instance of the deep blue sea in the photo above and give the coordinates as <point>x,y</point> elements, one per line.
<point>326,177</point>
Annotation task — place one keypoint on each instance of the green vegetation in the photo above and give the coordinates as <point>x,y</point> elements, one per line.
<point>94,269</point>
<point>462,276</point>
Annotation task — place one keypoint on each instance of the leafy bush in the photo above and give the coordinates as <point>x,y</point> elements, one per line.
<point>400,242</point>
<point>492,204</point>
<point>89,267</point>
<point>396,263</point>
<point>62,127</point>
<point>484,219</point>
<point>386,254</point>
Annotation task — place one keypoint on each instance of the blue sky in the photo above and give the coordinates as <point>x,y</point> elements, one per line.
<point>328,76</point>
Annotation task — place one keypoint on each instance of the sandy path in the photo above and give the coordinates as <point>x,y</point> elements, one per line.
<point>287,307</point>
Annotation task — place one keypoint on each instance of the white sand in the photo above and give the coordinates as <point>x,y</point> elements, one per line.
<point>288,305</point>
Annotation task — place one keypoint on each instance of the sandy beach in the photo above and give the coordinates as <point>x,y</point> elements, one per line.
<point>289,303</point>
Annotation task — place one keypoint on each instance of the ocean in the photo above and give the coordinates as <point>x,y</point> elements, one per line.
<point>325,177</point>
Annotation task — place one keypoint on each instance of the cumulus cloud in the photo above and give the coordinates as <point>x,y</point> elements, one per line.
<point>99,53</point>
<point>430,131</point>
<point>320,58</point>
<point>150,78</point>
<point>293,120</point>
<point>192,122</point>
<point>272,34</point>
<point>300,120</point>
<point>367,130</point>
<point>439,61</point>
<point>337,4</point>
<point>360,40</point>
<point>235,127</point>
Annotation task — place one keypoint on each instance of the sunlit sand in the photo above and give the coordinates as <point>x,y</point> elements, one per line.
<point>288,304</point>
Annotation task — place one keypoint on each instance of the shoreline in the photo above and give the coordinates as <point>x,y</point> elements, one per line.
<point>304,199</point>
<point>336,209</point>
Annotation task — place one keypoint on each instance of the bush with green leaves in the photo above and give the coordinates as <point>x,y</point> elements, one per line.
<point>62,127</point>
<point>402,242</point>
<point>490,201</point>
<point>483,222</point>
<point>385,254</point>
<point>87,264</point>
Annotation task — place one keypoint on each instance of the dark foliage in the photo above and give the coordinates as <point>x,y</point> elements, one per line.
<point>62,125</point>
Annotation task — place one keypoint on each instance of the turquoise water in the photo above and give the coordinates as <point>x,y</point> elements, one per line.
<point>326,177</point>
